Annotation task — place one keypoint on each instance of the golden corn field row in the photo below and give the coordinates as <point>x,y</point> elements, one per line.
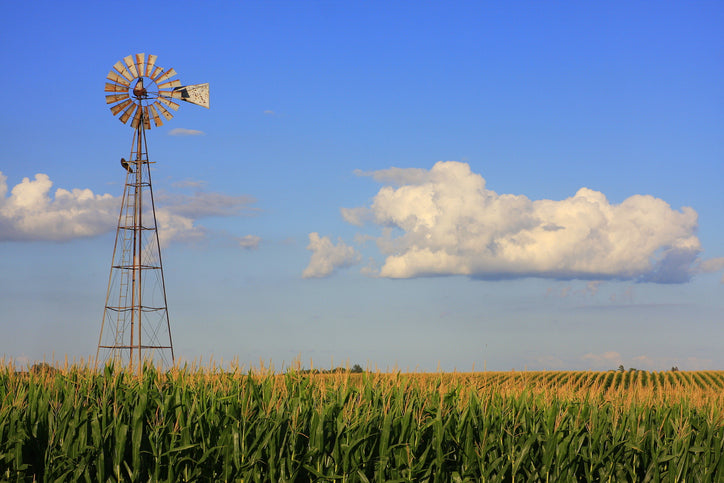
<point>75,424</point>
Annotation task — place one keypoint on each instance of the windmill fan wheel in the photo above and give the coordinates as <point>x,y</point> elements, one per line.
<point>138,90</point>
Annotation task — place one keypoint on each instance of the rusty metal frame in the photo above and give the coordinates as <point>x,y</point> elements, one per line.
<point>129,265</point>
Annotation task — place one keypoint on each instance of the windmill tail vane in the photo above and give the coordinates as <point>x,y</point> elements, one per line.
<point>136,328</point>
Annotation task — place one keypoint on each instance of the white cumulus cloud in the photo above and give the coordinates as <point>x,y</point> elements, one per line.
<point>31,213</point>
<point>444,221</point>
<point>328,257</point>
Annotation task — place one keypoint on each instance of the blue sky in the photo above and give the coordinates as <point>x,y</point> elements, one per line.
<point>418,185</point>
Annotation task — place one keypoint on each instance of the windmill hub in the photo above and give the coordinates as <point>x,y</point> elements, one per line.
<point>139,91</point>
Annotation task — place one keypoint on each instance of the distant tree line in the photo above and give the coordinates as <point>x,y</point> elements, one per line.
<point>355,369</point>
<point>633,369</point>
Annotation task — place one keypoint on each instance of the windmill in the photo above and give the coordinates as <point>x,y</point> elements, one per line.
<point>135,327</point>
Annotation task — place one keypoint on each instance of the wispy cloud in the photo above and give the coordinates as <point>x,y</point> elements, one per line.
<point>611,360</point>
<point>178,213</point>
<point>605,360</point>
<point>712,265</point>
<point>444,221</point>
<point>205,203</point>
<point>590,290</point>
<point>189,183</point>
<point>328,257</point>
<point>649,363</point>
<point>180,131</point>
<point>549,362</point>
<point>397,176</point>
<point>274,114</point>
<point>249,242</point>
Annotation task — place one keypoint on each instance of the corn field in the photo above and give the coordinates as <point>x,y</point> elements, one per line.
<point>75,424</point>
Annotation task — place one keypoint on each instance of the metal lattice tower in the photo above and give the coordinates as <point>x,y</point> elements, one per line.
<point>136,328</point>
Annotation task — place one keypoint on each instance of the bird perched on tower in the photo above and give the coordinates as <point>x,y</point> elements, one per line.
<point>125,164</point>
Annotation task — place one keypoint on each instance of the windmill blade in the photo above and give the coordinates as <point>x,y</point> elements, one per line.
<point>149,65</point>
<point>146,118</point>
<point>137,117</point>
<point>119,107</point>
<point>112,76</point>
<point>164,112</point>
<point>110,99</point>
<point>195,94</point>
<point>131,65</point>
<point>127,113</point>
<point>122,69</point>
<point>141,64</point>
<point>166,75</point>
<point>156,72</point>
<point>169,103</point>
<point>171,83</point>
<point>156,118</point>
<point>115,88</point>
